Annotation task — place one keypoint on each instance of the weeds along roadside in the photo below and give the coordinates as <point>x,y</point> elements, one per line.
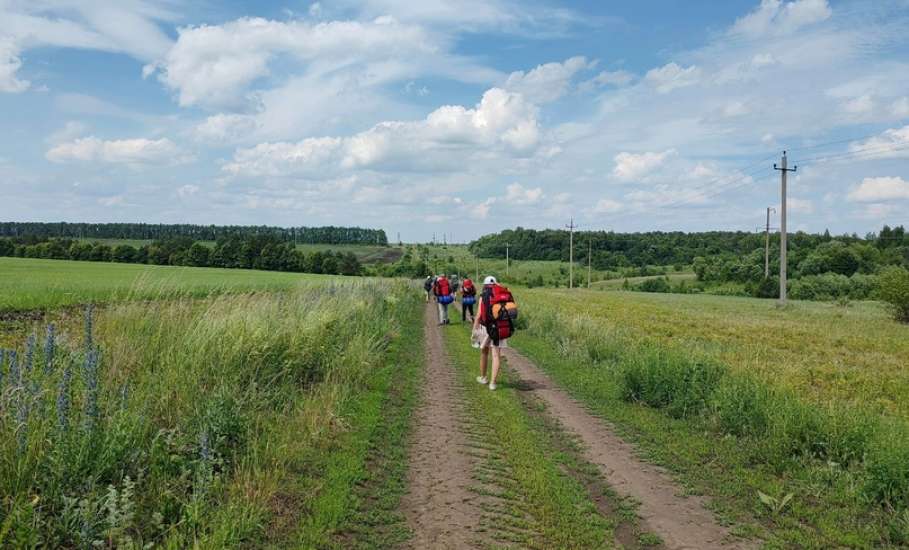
<point>526,467</point>
<point>747,443</point>
<point>206,422</point>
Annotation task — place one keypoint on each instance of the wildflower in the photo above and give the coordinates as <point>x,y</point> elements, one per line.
<point>90,373</point>
<point>49,348</point>
<point>63,398</point>
<point>89,342</point>
<point>29,353</point>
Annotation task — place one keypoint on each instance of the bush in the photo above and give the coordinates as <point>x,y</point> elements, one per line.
<point>670,380</point>
<point>657,284</point>
<point>888,468</point>
<point>894,289</point>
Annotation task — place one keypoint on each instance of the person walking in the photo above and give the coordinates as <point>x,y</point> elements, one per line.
<point>492,327</point>
<point>468,299</point>
<point>442,290</point>
<point>428,284</point>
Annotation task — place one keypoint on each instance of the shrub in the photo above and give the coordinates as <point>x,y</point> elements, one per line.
<point>670,380</point>
<point>888,467</point>
<point>894,289</point>
<point>657,284</point>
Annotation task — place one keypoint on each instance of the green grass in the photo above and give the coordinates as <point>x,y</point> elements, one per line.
<point>234,420</point>
<point>616,284</point>
<point>715,389</point>
<point>27,284</point>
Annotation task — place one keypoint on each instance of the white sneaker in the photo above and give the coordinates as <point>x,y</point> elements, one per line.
<point>482,380</point>
<point>492,386</point>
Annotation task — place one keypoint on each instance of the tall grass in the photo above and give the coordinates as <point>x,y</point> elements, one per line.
<point>185,422</point>
<point>785,430</point>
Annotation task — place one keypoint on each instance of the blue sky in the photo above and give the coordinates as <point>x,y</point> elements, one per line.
<point>457,118</point>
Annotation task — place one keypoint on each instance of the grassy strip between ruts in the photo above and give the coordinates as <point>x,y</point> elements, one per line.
<point>545,481</point>
<point>696,408</point>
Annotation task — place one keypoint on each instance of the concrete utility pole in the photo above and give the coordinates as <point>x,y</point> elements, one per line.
<point>507,259</point>
<point>589,250</point>
<point>767,243</point>
<point>783,171</point>
<point>571,227</point>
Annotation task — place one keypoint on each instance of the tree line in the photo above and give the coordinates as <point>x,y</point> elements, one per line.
<point>147,231</point>
<point>265,252</point>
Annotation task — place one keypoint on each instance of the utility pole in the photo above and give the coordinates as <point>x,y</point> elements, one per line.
<point>589,250</point>
<point>507,259</point>
<point>571,227</point>
<point>477,258</point>
<point>783,171</point>
<point>767,243</point>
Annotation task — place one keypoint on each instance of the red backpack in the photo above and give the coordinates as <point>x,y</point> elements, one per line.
<point>467,289</point>
<point>498,312</point>
<point>442,288</point>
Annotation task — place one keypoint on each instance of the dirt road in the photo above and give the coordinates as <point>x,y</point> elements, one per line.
<point>440,508</point>
<point>682,522</point>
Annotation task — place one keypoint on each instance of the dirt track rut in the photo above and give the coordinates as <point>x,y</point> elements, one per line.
<point>682,522</point>
<point>440,507</point>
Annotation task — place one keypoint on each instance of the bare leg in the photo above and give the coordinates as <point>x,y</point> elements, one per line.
<point>496,359</point>
<point>484,357</point>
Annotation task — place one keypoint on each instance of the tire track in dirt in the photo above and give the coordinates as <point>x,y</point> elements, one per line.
<point>441,507</point>
<point>682,522</point>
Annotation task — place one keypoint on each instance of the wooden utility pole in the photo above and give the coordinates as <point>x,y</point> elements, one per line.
<point>767,243</point>
<point>571,227</point>
<point>589,250</point>
<point>784,170</point>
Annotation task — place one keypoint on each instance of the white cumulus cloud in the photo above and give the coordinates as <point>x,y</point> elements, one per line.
<point>547,82</point>
<point>775,17</point>
<point>880,189</point>
<point>634,166</point>
<point>672,76</point>
<point>503,123</point>
<point>516,193</point>
<point>123,151</point>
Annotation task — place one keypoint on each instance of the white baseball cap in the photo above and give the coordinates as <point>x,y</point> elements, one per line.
<point>490,280</point>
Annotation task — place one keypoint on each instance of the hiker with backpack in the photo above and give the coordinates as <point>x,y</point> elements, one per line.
<point>442,290</point>
<point>468,299</point>
<point>427,286</point>
<point>492,327</point>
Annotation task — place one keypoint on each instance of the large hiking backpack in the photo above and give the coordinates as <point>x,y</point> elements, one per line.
<point>443,291</point>
<point>499,312</point>
<point>427,285</point>
<point>468,293</point>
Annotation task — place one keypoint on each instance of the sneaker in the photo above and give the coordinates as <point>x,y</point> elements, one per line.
<point>482,380</point>
<point>492,386</point>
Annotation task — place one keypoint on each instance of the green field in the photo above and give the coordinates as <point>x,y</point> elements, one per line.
<point>252,408</point>
<point>27,284</point>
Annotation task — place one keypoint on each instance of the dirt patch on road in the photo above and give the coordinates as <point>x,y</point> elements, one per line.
<point>681,522</point>
<point>441,508</point>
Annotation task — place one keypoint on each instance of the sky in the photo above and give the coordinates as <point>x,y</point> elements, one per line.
<point>456,118</point>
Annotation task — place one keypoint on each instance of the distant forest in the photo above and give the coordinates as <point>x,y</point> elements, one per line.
<point>146,231</point>
<point>612,251</point>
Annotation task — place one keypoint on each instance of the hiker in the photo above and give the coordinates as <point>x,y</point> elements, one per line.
<point>442,289</point>
<point>468,299</point>
<point>493,326</point>
<point>454,283</point>
<point>427,286</point>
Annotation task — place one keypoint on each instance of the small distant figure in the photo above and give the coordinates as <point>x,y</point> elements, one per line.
<point>468,299</point>
<point>492,327</point>
<point>455,283</point>
<point>427,286</point>
<point>442,290</point>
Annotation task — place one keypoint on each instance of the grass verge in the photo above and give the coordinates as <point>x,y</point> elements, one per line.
<point>229,421</point>
<point>788,471</point>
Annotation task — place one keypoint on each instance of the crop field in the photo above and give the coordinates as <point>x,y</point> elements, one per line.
<point>27,284</point>
<point>806,401</point>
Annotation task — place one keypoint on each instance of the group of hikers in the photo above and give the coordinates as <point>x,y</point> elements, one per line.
<point>493,322</point>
